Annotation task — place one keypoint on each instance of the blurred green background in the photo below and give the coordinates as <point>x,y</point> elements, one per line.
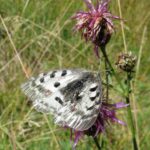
<point>40,33</point>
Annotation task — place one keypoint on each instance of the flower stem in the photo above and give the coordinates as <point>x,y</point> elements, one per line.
<point>110,69</point>
<point>107,72</point>
<point>131,120</point>
<point>96,143</point>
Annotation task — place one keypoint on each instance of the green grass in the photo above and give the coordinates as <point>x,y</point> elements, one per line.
<point>41,32</point>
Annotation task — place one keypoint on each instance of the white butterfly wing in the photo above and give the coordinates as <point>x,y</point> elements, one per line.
<point>43,89</point>
<point>82,114</point>
<point>72,96</point>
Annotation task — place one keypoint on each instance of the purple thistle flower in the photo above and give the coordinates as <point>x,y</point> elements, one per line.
<point>96,24</point>
<point>107,114</point>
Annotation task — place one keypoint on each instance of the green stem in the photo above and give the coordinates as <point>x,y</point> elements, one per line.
<point>111,70</point>
<point>96,143</point>
<point>108,73</point>
<point>107,80</point>
<point>131,120</point>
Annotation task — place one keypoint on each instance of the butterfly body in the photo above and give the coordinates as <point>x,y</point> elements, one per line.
<point>72,96</point>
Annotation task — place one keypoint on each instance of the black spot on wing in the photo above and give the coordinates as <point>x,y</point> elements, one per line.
<point>58,99</point>
<point>92,98</point>
<point>42,79</point>
<point>78,97</point>
<point>64,72</point>
<point>56,84</point>
<point>52,75</point>
<point>90,108</point>
<point>93,89</point>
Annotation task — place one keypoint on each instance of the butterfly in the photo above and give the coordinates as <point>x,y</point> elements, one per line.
<point>72,96</point>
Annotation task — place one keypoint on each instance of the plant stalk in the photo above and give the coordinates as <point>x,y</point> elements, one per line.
<point>131,120</point>
<point>107,72</point>
<point>110,69</point>
<point>97,143</point>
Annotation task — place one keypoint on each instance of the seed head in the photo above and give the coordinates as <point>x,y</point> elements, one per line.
<point>126,62</point>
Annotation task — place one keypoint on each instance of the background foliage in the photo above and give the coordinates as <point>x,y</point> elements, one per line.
<point>40,34</point>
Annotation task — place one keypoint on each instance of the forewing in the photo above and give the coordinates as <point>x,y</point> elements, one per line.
<point>44,91</point>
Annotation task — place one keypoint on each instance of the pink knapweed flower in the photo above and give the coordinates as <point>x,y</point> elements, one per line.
<point>96,24</point>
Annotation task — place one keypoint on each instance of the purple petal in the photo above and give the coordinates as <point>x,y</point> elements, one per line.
<point>109,21</point>
<point>97,5</point>
<point>100,127</point>
<point>89,5</point>
<point>103,6</point>
<point>92,23</point>
<point>119,121</point>
<point>116,17</point>
<point>120,105</point>
<point>78,135</point>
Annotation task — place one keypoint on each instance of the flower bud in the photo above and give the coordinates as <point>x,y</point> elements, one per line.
<point>126,62</point>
